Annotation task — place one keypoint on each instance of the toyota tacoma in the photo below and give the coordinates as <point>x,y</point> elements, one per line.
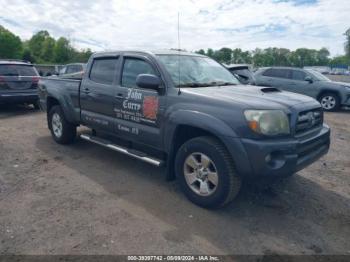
<point>187,112</point>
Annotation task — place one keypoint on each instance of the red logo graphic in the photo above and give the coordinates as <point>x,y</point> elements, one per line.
<point>150,107</point>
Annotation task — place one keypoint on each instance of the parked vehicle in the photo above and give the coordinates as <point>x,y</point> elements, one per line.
<point>47,70</point>
<point>332,95</point>
<point>18,82</point>
<point>72,71</point>
<point>210,131</point>
<point>242,73</point>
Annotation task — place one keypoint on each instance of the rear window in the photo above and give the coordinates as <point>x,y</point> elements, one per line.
<point>17,70</point>
<point>281,73</point>
<point>74,69</point>
<point>104,70</point>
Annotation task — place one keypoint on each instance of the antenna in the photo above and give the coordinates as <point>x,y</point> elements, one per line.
<point>178,50</point>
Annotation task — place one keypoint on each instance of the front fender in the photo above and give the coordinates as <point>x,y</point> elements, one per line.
<point>212,125</point>
<point>196,119</point>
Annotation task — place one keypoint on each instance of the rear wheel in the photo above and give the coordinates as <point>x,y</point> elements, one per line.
<point>62,131</point>
<point>329,102</point>
<point>206,172</point>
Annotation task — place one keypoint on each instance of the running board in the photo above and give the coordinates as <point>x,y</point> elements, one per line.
<point>130,152</point>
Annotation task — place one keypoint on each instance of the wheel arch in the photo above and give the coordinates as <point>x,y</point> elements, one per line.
<point>186,125</point>
<point>328,91</point>
<point>54,101</point>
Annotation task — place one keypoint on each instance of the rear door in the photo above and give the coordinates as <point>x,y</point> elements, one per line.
<point>97,94</point>
<point>138,111</point>
<point>277,77</point>
<point>18,78</point>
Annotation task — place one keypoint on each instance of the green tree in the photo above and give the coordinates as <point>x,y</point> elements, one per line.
<point>27,55</point>
<point>36,44</point>
<point>62,50</point>
<point>210,52</point>
<point>340,60</point>
<point>10,44</point>
<point>201,52</point>
<point>323,56</point>
<point>47,53</point>
<point>347,43</point>
<point>83,55</point>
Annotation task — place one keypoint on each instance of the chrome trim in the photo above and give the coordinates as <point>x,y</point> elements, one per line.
<point>122,150</point>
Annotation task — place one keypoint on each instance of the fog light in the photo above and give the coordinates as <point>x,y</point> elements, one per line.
<point>268,158</point>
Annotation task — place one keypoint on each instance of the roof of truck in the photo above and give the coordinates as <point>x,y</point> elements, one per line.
<point>153,52</point>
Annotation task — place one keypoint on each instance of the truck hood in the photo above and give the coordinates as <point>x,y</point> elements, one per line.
<point>258,97</point>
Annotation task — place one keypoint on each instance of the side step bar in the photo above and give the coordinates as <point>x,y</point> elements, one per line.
<point>130,152</point>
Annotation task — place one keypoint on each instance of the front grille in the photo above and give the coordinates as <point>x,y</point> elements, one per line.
<point>308,120</point>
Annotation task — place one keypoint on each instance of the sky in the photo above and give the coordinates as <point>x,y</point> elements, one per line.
<point>153,24</point>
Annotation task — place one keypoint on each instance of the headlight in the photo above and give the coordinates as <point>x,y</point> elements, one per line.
<point>268,122</point>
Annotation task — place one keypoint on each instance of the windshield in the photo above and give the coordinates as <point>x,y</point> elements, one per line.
<point>318,75</point>
<point>196,71</point>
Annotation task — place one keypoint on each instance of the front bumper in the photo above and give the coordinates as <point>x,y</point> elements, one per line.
<point>282,157</point>
<point>19,97</point>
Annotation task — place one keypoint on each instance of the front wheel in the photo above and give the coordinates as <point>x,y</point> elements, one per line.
<point>206,172</point>
<point>62,131</point>
<point>329,102</point>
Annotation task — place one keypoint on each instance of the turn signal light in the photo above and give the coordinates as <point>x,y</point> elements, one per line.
<point>254,125</point>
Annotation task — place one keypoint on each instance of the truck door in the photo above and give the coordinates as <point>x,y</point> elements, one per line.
<point>97,94</point>
<point>138,111</point>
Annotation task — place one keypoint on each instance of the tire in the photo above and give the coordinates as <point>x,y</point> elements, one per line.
<point>62,131</point>
<point>228,183</point>
<point>329,102</point>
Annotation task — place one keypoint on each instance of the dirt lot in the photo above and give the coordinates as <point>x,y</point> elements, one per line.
<point>84,199</point>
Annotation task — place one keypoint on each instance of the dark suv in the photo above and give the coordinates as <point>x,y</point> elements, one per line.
<point>18,82</point>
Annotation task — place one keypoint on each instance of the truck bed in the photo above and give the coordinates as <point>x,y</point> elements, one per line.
<point>66,91</point>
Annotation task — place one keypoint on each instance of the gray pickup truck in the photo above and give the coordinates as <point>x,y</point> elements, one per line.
<point>187,112</point>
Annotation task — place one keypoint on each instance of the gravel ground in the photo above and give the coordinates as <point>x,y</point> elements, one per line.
<point>84,199</point>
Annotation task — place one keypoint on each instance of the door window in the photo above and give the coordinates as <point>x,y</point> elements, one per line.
<point>132,68</point>
<point>298,75</point>
<point>274,72</point>
<point>103,70</point>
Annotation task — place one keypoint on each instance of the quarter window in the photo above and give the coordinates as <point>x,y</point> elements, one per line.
<point>132,68</point>
<point>103,70</point>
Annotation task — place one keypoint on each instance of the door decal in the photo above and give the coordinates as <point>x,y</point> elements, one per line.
<point>137,107</point>
<point>150,107</point>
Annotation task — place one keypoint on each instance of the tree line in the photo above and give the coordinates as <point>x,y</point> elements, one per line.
<point>274,56</point>
<point>41,48</point>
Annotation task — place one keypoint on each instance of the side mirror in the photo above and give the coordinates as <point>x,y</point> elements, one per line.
<point>309,79</point>
<point>148,81</point>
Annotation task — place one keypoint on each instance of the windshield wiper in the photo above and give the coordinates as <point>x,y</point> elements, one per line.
<point>193,84</point>
<point>222,83</point>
